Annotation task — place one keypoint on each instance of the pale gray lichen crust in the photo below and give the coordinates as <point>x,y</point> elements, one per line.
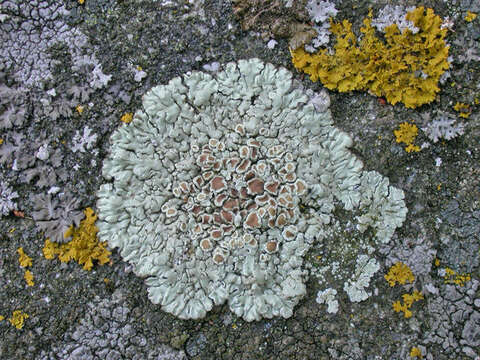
<point>220,185</point>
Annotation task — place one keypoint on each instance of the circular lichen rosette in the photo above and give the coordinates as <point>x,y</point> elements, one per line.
<point>221,184</point>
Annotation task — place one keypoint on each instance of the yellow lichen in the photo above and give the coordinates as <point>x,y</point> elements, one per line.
<point>84,246</point>
<point>28,276</point>
<point>463,109</point>
<point>405,67</point>
<point>406,134</point>
<point>79,109</point>
<point>49,250</point>
<point>400,273</point>
<point>18,319</point>
<point>127,118</point>
<point>1,141</point>
<point>2,317</point>
<point>451,277</point>
<point>81,2</point>
<point>408,300</point>
<point>415,352</point>
<point>470,16</point>
<point>23,259</point>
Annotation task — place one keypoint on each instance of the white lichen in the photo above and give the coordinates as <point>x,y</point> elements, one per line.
<point>355,288</point>
<point>320,11</point>
<point>83,142</point>
<point>221,184</point>
<point>7,197</point>
<point>443,127</point>
<point>390,15</point>
<point>327,297</point>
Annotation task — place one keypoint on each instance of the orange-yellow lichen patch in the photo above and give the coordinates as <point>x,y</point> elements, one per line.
<point>23,259</point>
<point>28,276</point>
<point>463,109</point>
<point>84,246</point>
<point>406,134</point>
<point>400,273</point>
<point>126,118</point>
<point>405,67</point>
<point>470,16</point>
<point>18,318</point>
<point>415,352</point>
<point>451,277</point>
<point>408,300</point>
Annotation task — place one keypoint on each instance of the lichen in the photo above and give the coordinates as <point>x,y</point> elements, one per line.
<point>365,269</point>
<point>406,67</point>
<point>400,273</point>
<point>452,277</point>
<point>28,276</point>
<point>408,300</point>
<point>7,197</point>
<point>443,127</point>
<point>127,118</point>
<point>18,319</point>
<point>84,247</point>
<point>464,110</point>
<point>327,297</point>
<point>217,189</point>
<point>415,352</point>
<point>23,259</point>
<point>406,133</point>
<point>470,16</point>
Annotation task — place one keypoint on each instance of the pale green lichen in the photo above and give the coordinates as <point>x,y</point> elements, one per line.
<point>218,188</point>
<point>355,288</point>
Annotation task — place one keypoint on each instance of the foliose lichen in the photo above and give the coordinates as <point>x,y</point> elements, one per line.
<point>7,197</point>
<point>404,67</point>
<point>55,214</point>
<point>84,246</point>
<point>220,185</point>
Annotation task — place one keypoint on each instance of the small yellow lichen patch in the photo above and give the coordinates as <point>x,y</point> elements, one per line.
<point>400,273</point>
<point>470,16</point>
<point>23,259</point>
<point>1,141</point>
<point>437,262</point>
<point>49,250</point>
<point>408,300</point>
<point>463,109</point>
<point>2,317</point>
<point>406,134</point>
<point>401,66</point>
<point>79,109</point>
<point>127,118</point>
<point>81,2</point>
<point>451,277</point>
<point>28,276</point>
<point>84,246</point>
<point>18,319</point>
<point>415,352</point>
